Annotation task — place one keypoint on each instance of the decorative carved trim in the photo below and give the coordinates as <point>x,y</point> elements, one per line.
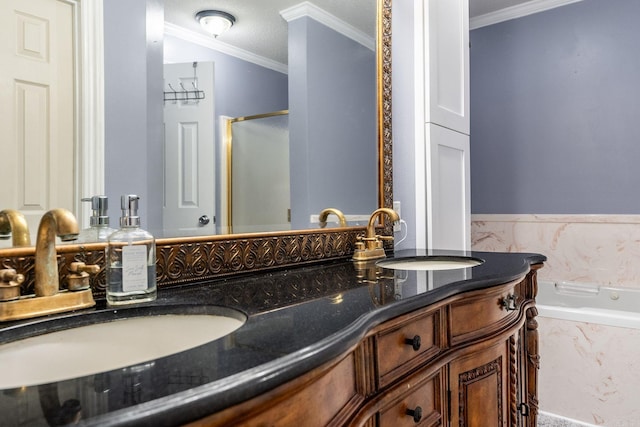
<point>181,261</point>
<point>385,155</point>
<point>513,379</point>
<point>493,368</point>
<point>533,364</point>
<point>365,367</point>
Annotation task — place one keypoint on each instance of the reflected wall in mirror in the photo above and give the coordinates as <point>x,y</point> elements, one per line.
<point>133,157</point>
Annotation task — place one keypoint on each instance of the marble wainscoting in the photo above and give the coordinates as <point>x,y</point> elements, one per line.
<point>594,249</point>
<point>589,373</point>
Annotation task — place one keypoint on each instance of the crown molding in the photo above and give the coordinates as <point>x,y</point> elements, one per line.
<point>517,11</point>
<point>211,43</point>
<point>336,24</point>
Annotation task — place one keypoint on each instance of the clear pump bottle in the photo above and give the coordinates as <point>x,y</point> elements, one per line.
<point>99,229</point>
<point>131,259</point>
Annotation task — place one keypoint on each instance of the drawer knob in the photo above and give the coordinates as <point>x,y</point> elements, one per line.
<point>509,302</point>
<point>415,413</point>
<point>414,342</point>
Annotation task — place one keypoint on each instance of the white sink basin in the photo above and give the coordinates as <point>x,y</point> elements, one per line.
<point>115,344</point>
<point>430,263</point>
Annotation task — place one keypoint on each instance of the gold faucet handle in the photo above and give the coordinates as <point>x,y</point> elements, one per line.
<point>79,279</point>
<point>10,275</point>
<point>81,267</point>
<point>384,237</point>
<point>10,282</point>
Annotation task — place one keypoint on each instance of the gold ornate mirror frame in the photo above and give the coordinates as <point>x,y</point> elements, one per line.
<point>197,259</point>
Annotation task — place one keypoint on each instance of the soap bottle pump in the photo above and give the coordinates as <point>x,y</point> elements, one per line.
<point>131,259</point>
<point>99,229</point>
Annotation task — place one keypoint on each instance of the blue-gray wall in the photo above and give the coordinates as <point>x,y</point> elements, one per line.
<point>332,123</point>
<point>404,122</point>
<point>133,106</point>
<point>555,106</point>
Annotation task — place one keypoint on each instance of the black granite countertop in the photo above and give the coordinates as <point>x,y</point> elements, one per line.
<point>296,320</point>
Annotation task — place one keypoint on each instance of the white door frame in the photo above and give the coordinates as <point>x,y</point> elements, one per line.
<point>89,156</point>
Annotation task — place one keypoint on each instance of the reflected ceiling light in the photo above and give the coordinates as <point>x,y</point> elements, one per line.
<point>215,22</point>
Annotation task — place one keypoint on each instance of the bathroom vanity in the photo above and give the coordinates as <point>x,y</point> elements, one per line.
<point>331,343</point>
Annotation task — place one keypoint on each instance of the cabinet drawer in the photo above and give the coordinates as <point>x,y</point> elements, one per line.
<point>402,348</point>
<point>482,314</point>
<point>422,406</point>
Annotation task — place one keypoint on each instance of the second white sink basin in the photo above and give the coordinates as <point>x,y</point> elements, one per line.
<point>430,263</point>
<point>109,345</point>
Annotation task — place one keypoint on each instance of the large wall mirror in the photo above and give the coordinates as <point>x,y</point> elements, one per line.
<point>340,143</point>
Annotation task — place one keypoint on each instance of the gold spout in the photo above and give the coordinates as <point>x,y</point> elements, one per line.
<point>371,227</point>
<point>370,246</point>
<point>12,221</point>
<point>64,224</point>
<point>325,214</point>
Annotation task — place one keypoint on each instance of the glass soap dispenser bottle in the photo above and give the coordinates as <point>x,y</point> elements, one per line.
<point>131,259</point>
<point>99,229</point>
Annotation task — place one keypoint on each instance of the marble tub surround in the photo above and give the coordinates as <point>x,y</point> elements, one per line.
<point>594,249</point>
<point>588,372</point>
<point>298,319</point>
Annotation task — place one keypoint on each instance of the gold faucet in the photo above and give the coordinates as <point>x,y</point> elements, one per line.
<point>64,224</point>
<point>326,212</point>
<point>370,246</point>
<point>13,222</point>
<point>48,297</point>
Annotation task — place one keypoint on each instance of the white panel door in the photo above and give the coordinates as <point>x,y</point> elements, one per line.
<point>37,96</point>
<point>448,195</point>
<point>446,53</point>
<point>189,175</point>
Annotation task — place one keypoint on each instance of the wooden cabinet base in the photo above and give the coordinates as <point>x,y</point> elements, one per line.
<point>470,360</point>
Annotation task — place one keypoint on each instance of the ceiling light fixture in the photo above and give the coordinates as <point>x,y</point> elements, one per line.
<point>215,22</point>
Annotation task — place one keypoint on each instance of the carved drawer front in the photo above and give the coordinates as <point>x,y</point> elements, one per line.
<point>482,314</point>
<point>407,344</point>
<point>422,404</point>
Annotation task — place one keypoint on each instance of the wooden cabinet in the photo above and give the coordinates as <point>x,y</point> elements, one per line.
<point>470,360</point>
<point>407,343</point>
<point>478,385</point>
<point>420,402</point>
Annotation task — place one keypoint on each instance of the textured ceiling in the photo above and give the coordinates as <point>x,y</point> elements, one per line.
<point>260,29</point>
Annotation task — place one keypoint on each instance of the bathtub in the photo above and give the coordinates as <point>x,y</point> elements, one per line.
<point>589,303</point>
<point>589,354</point>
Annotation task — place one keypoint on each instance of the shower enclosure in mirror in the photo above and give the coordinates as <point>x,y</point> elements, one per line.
<point>258,187</point>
